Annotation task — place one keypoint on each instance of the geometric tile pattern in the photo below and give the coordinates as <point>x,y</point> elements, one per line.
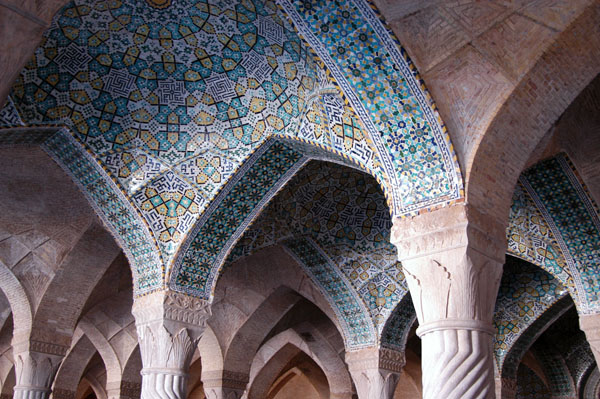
<point>398,325</point>
<point>529,385</point>
<point>559,378</point>
<point>9,116</point>
<point>531,334</point>
<point>151,91</point>
<point>531,239</point>
<point>198,265</point>
<point>382,86</point>
<point>573,219</point>
<point>357,328</point>
<point>526,292</point>
<point>172,102</point>
<point>345,215</point>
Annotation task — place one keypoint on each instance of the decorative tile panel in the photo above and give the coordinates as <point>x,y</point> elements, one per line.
<point>526,293</point>
<point>382,86</point>
<point>573,219</point>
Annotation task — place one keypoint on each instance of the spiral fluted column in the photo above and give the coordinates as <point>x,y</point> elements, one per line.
<point>169,326</point>
<point>452,258</point>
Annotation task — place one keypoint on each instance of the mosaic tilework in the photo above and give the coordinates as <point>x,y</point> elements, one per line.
<point>532,334</point>
<point>556,371</point>
<point>9,116</point>
<point>349,309</point>
<point>398,325</point>
<point>530,386</point>
<point>579,358</point>
<point>526,292</point>
<point>343,211</point>
<point>573,219</point>
<point>230,214</point>
<point>380,82</point>
<point>169,99</point>
<point>530,238</point>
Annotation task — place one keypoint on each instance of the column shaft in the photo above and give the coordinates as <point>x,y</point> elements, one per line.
<point>452,259</point>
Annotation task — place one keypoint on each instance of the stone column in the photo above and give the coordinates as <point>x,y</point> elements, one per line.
<point>223,384</point>
<point>452,258</point>
<point>375,371</point>
<point>590,325</point>
<point>36,364</point>
<point>169,326</point>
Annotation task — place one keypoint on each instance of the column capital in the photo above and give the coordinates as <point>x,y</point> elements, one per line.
<point>375,371</point>
<point>171,308</point>
<point>376,358</point>
<point>169,325</point>
<point>34,372</point>
<point>447,228</point>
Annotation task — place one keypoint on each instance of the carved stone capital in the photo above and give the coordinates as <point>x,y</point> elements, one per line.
<point>169,325</point>
<point>171,307</point>
<point>34,372</point>
<point>453,265</point>
<point>376,359</point>
<point>449,228</point>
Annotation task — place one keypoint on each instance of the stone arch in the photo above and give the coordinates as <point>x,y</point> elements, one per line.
<point>209,349</point>
<point>275,353</point>
<point>268,373</point>
<point>72,367</point>
<point>131,378</point>
<point>20,306</point>
<point>250,335</point>
<point>560,74</point>
<point>100,192</point>
<point>200,258</point>
<point>247,275</point>
<point>510,365</point>
<point>104,349</point>
<point>591,388</point>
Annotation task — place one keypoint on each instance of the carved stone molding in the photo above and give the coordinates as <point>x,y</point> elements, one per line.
<point>447,228</point>
<point>39,347</point>
<point>453,266</point>
<point>225,379</point>
<point>376,359</point>
<point>171,306</point>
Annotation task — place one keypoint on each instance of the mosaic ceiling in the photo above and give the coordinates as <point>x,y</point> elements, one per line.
<point>172,100</point>
<point>554,224</point>
<point>334,220</point>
